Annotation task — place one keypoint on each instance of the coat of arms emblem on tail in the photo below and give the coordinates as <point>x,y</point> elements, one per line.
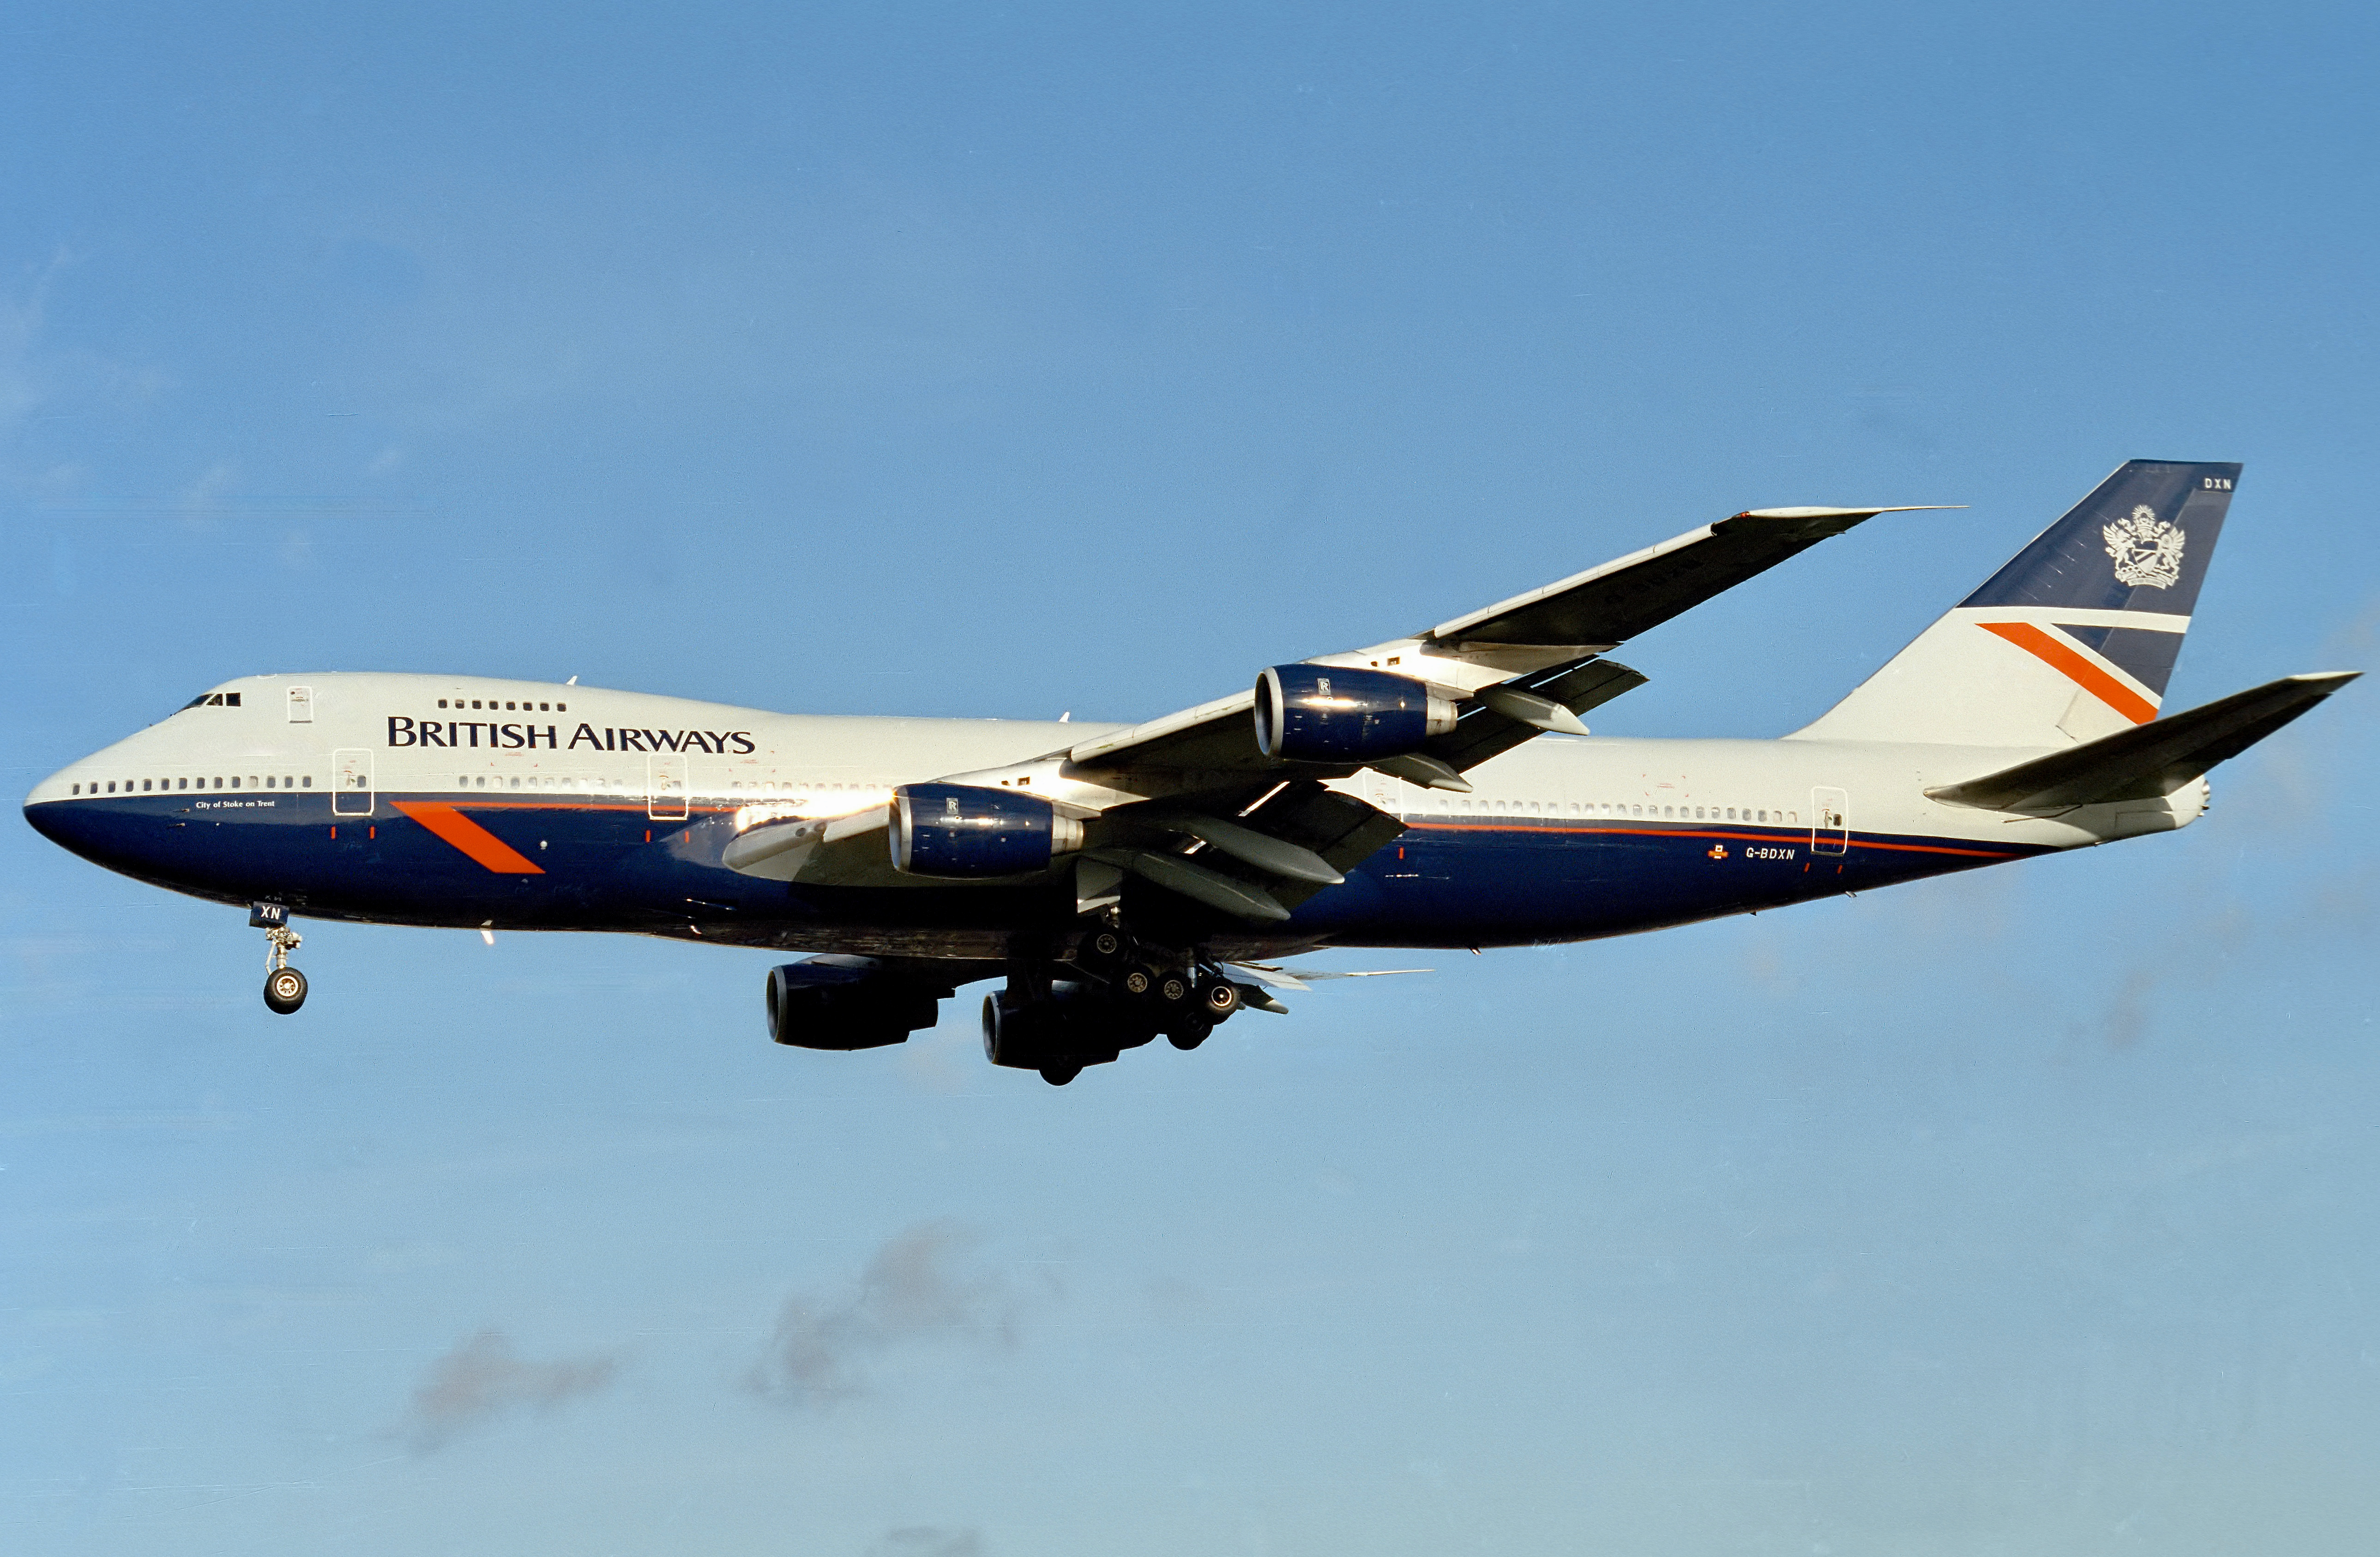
<point>2148,550</point>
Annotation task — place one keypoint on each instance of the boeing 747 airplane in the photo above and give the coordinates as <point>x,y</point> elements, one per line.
<point>1436,789</point>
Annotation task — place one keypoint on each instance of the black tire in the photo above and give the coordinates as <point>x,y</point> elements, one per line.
<point>1059,1075</point>
<point>1137,981</point>
<point>1102,947</point>
<point>1218,998</point>
<point>1189,1035</point>
<point>284,991</point>
<point>1172,991</point>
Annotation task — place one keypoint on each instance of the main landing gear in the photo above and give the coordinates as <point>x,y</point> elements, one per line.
<point>284,987</point>
<point>1117,994</point>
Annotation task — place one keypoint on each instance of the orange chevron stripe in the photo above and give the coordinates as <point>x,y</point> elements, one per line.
<point>469,837</point>
<point>2071,664</point>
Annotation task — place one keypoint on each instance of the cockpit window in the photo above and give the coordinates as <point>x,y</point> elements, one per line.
<point>214,700</point>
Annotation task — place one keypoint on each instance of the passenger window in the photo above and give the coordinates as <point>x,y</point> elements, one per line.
<point>235,780</point>
<point>516,784</point>
<point>268,781</point>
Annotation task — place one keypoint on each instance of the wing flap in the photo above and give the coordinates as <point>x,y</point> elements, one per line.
<point>1482,733</point>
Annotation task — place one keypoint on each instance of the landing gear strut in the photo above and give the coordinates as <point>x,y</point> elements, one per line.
<point>1117,994</point>
<point>284,987</point>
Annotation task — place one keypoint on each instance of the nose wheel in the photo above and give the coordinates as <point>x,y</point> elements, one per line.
<point>284,987</point>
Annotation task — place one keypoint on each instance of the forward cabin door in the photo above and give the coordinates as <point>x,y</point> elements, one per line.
<point>1830,820</point>
<point>665,786</point>
<point>351,783</point>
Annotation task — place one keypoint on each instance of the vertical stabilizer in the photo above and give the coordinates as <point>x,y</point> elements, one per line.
<point>2075,639</point>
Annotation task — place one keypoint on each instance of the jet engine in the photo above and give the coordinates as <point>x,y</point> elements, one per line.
<point>965,832</point>
<point>837,1002</point>
<point>1328,712</point>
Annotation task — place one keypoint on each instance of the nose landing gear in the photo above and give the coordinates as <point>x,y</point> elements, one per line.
<point>284,987</point>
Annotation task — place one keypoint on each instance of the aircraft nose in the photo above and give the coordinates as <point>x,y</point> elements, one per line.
<point>119,837</point>
<point>77,828</point>
<point>42,818</point>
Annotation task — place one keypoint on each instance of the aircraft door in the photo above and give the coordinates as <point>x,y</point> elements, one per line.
<point>351,783</point>
<point>301,704</point>
<point>665,786</point>
<point>1830,820</point>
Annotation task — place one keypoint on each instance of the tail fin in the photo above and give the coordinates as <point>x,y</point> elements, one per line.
<point>2073,640</point>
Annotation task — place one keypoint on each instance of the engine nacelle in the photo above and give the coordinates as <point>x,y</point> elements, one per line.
<point>1328,712</point>
<point>838,1002</point>
<point>965,832</point>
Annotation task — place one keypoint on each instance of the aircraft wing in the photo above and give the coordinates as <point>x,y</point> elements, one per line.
<point>1548,643</point>
<point>1606,605</point>
<point>1192,804</point>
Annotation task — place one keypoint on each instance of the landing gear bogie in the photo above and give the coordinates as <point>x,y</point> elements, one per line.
<point>1117,994</point>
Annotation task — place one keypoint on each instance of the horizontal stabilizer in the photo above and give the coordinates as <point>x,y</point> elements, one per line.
<point>2149,760</point>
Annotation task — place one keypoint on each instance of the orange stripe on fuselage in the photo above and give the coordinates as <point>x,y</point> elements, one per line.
<point>2076,669</point>
<point>469,837</point>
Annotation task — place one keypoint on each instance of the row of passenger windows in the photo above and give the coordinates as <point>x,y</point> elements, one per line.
<point>1471,805</point>
<point>524,705</point>
<point>147,786</point>
<point>597,784</point>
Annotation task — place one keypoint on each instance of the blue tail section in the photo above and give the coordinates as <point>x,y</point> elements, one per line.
<point>2139,543</point>
<point>2075,639</point>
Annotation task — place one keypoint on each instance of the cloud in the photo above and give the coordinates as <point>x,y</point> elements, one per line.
<point>2128,1017</point>
<point>482,1380</point>
<point>912,1293</point>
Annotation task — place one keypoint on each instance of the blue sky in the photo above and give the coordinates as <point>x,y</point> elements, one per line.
<point>944,360</point>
